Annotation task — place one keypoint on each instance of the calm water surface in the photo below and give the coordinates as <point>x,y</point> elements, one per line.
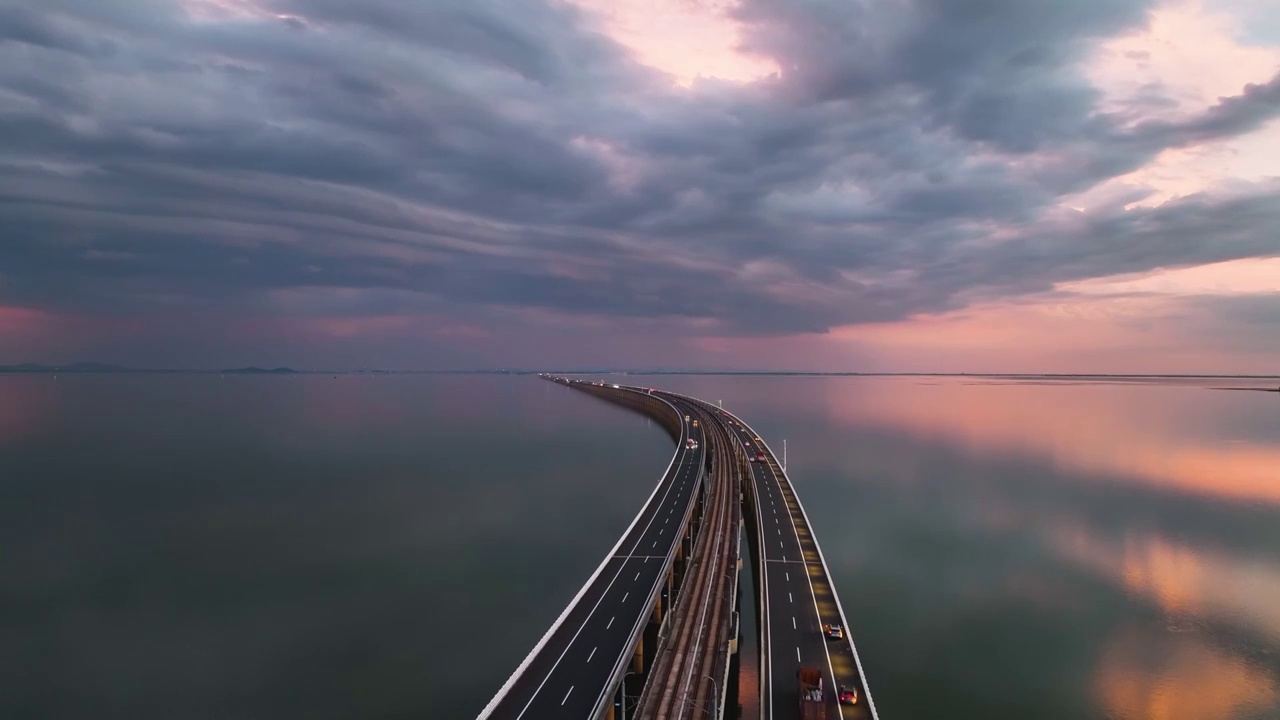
<point>318,547</point>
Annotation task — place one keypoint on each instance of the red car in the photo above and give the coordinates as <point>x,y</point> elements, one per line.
<point>848,695</point>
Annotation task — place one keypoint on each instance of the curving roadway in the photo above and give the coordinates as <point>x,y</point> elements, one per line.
<point>799,598</point>
<point>570,672</point>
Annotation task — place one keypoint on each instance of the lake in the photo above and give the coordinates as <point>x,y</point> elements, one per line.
<point>193,546</point>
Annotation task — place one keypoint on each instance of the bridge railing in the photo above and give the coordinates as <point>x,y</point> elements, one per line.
<point>637,399</point>
<point>866,684</point>
<point>537,648</point>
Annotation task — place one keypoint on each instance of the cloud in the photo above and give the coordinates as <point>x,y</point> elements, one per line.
<point>455,159</point>
<point>22,25</point>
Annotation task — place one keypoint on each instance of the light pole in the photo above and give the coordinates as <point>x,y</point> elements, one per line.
<point>624,693</point>
<point>688,702</point>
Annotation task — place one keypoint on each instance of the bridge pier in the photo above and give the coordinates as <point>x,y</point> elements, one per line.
<point>671,584</point>
<point>637,660</point>
<point>677,566</point>
<point>687,660</point>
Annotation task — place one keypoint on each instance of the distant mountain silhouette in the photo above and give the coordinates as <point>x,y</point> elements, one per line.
<point>260,371</point>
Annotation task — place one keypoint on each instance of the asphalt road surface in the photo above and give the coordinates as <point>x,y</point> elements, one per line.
<point>565,676</point>
<point>799,601</point>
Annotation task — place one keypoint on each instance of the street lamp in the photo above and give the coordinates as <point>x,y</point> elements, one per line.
<point>688,702</point>
<point>624,693</point>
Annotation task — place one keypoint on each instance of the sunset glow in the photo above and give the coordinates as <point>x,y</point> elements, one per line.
<point>889,186</point>
<point>1114,436</point>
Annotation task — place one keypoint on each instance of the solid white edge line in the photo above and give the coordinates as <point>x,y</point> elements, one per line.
<point>866,684</point>
<point>511,681</point>
<point>642,618</point>
<point>813,596</point>
<point>592,612</point>
<point>764,590</point>
<point>765,609</point>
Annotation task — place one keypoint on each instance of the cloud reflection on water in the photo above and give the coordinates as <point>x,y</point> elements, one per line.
<point>1143,676</point>
<point>1180,439</point>
<point>1051,550</point>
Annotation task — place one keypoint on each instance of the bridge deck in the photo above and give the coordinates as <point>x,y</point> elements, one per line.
<point>574,666</point>
<point>681,684</point>
<point>800,599</point>
<point>566,674</point>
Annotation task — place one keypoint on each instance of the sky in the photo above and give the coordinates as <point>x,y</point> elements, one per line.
<point>861,185</point>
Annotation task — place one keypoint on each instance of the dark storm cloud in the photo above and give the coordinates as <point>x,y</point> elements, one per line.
<point>485,154</point>
<point>1231,116</point>
<point>23,25</point>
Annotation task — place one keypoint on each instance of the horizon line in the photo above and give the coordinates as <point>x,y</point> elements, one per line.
<point>110,368</point>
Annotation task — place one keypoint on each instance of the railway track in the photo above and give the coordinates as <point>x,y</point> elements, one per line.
<point>681,684</point>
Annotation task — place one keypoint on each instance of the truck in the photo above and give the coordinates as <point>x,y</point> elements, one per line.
<point>813,705</point>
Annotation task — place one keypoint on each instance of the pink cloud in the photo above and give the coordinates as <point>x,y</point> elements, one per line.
<point>1192,53</point>
<point>687,39</point>
<point>1053,333</point>
<point>352,327</point>
<point>461,330</point>
<point>19,320</point>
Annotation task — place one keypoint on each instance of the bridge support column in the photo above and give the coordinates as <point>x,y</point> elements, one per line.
<point>652,634</point>
<point>637,660</point>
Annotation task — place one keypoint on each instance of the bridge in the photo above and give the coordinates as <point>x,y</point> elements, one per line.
<point>654,633</point>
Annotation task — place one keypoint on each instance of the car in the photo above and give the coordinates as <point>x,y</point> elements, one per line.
<point>848,695</point>
<point>834,632</point>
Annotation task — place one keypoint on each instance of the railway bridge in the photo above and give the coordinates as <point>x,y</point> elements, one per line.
<point>654,633</point>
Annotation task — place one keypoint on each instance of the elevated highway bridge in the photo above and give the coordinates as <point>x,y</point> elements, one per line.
<point>654,632</point>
